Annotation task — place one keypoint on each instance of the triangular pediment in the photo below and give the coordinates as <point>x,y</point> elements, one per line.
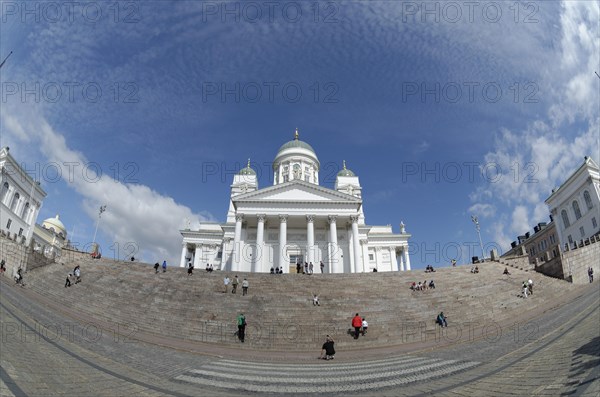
<point>296,191</point>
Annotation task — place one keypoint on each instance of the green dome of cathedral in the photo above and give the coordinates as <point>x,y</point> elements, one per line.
<point>345,171</point>
<point>295,143</point>
<point>247,170</point>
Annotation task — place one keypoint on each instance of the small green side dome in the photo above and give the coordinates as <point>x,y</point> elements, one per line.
<point>345,171</point>
<point>247,170</point>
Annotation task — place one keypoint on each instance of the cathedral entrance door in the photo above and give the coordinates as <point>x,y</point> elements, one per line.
<point>295,257</point>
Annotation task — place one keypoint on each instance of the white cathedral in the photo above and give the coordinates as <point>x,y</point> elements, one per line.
<point>295,221</point>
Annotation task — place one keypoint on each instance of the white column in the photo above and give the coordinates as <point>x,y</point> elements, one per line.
<point>401,259</point>
<point>283,260</point>
<point>393,259</point>
<point>183,254</point>
<point>356,243</point>
<point>237,252</point>
<point>377,249</point>
<point>259,252</point>
<point>365,252</point>
<point>310,237</point>
<point>334,263</point>
<point>198,256</point>
<point>406,258</point>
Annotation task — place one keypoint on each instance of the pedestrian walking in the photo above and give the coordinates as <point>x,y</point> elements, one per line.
<point>322,265</point>
<point>245,286</point>
<point>226,282</point>
<point>357,324</point>
<point>164,266</point>
<point>234,284</point>
<point>241,323</point>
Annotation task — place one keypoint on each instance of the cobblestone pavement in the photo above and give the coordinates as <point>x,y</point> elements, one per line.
<point>44,353</point>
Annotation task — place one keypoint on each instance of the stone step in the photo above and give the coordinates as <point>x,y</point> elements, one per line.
<point>325,377</point>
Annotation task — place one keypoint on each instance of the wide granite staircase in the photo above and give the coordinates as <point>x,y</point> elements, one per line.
<point>279,308</point>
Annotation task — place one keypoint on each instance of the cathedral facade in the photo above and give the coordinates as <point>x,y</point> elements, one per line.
<point>296,221</point>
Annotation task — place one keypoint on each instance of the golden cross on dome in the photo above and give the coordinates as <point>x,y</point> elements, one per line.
<point>296,134</point>
<point>344,162</point>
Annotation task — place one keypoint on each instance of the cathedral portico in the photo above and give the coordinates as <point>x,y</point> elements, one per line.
<point>296,220</point>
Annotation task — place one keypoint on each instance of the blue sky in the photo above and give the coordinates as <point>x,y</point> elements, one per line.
<point>443,109</point>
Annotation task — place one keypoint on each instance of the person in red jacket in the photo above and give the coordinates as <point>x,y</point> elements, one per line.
<point>356,323</point>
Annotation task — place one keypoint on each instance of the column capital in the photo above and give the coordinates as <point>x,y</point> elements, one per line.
<point>310,218</point>
<point>239,217</point>
<point>354,218</point>
<point>364,242</point>
<point>332,219</point>
<point>261,217</point>
<point>283,218</point>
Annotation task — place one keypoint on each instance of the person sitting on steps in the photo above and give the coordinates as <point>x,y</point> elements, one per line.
<point>506,272</point>
<point>316,300</point>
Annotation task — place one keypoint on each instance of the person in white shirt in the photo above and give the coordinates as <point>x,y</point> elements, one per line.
<point>365,326</point>
<point>245,286</point>
<point>226,282</point>
<point>316,300</point>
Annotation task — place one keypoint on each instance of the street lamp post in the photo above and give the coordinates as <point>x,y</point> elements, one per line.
<point>476,222</point>
<point>102,209</point>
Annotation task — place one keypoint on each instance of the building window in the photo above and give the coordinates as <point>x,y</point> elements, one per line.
<point>581,231</point>
<point>306,178</point>
<point>15,202</point>
<point>370,257</point>
<point>565,218</point>
<point>25,212</point>
<point>219,254</point>
<point>4,191</point>
<point>552,239</point>
<point>588,200</point>
<point>570,239</point>
<point>20,232</point>
<point>286,178</point>
<point>8,223</point>
<point>594,223</point>
<point>576,209</point>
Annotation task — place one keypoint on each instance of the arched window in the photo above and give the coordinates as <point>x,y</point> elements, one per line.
<point>576,210</point>
<point>25,212</point>
<point>4,191</point>
<point>588,200</point>
<point>15,202</point>
<point>565,218</point>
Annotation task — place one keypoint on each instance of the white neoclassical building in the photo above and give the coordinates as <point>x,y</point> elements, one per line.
<point>295,221</point>
<point>575,205</point>
<point>21,198</point>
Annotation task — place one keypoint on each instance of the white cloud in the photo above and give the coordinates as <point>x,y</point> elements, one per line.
<point>520,220</point>
<point>482,210</point>
<point>542,155</point>
<point>135,213</point>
